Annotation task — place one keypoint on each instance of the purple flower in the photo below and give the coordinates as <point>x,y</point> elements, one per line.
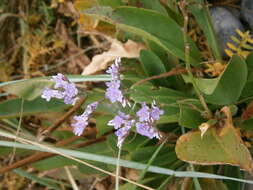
<point>147,117</point>
<point>63,89</point>
<point>80,125</point>
<point>123,124</point>
<point>156,112</point>
<point>122,133</point>
<point>60,80</point>
<point>144,113</point>
<point>146,129</point>
<point>114,70</point>
<point>82,120</point>
<point>50,93</point>
<point>113,92</point>
<point>119,120</point>
<point>149,114</point>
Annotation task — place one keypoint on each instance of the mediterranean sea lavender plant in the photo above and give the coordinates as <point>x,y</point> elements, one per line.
<point>82,120</point>
<point>144,120</point>
<point>63,89</point>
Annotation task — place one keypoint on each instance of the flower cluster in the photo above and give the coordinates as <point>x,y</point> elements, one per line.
<point>63,89</point>
<point>122,123</point>
<point>82,120</point>
<point>113,92</point>
<point>145,118</point>
<point>145,126</point>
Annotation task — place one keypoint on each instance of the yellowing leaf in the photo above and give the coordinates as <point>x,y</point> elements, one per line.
<point>221,145</point>
<point>215,69</point>
<point>241,34</point>
<point>229,52</point>
<point>130,49</point>
<point>231,46</point>
<point>235,39</point>
<point>245,54</point>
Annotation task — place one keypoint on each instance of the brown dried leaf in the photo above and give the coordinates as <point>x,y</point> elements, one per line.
<point>79,60</point>
<point>130,49</point>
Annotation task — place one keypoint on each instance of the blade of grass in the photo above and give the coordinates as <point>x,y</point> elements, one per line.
<point>47,148</point>
<point>108,160</point>
<point>143,172</point>
<point>166,181</point>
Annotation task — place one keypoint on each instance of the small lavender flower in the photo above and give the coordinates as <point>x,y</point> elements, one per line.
<point>60,80</point>
<point>119,120</point>
<point>80,125</point>
<point>63,89</point>
<point>50,93</point>
<point>147,117</point>
<point>113,92</point>
<point>122,133</point>
<point>155,112</point>
<point>123,124</point>
<point>82,120</point>
<point>114,70</point>
<point>144,113</point>
<point>147,130</point>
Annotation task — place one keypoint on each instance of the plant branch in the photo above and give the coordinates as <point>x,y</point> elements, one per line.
<point>182,6</point>
<point>172,72</point>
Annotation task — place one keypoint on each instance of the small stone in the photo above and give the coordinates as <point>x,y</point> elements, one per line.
<point>225,25</point>
<point>247,12</point>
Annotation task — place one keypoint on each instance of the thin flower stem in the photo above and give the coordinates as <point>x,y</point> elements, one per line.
<point>183,4</point>
<point>117,171</point>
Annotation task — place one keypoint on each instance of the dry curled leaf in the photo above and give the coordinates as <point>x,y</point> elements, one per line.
<point>130,49</point>
<point>203,129</point>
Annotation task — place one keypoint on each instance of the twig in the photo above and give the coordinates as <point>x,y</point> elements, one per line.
<point>172,72</point>
<point>42,155</point>
<point>71,178</point>
<point>63,118</point>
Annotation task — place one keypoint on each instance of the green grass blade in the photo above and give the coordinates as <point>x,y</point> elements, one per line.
<point>143,172</point>
<point>113,161</point>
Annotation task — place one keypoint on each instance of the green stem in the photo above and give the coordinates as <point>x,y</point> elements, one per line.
<point>117,171</point>
<point>187,61</point>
